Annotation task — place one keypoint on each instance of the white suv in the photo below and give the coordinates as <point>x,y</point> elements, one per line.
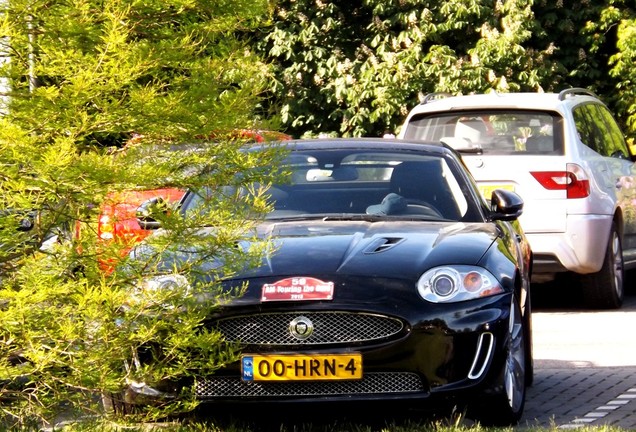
<point>567,158</point>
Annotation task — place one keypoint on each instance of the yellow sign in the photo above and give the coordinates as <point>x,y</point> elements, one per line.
<point>486,190</point>
<point>301,367</point>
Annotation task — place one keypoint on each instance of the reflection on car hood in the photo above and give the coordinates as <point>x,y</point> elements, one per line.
<point>363,248</point>
<point>391,249</point>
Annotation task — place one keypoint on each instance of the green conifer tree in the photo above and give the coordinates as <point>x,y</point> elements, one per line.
<point>79,80</point>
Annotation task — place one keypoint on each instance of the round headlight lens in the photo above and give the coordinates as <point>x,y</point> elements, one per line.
<point>473,281</point>
<point>443,285</point>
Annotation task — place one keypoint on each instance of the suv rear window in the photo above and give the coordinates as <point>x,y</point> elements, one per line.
<point>491,132</point>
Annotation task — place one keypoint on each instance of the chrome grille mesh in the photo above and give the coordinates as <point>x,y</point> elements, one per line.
<point>372,383</point>
<point>329,328</point>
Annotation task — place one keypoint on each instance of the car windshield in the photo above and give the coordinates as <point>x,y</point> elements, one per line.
<point>491,132</point>
<point>361,185</point>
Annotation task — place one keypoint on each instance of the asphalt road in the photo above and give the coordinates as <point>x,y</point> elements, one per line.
<point>585,363</point>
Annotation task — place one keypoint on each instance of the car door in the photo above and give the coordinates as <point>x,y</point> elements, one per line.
<point>622,168</point>
<point>612,169</point>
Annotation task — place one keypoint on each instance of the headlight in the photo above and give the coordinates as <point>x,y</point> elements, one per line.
<point>457,283</point>
<point>162,290</point>
<point>165,283</point>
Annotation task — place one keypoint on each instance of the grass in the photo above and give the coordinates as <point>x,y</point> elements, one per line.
<point>306,422</point>
<point>309,427</point>
<point>369,417</point>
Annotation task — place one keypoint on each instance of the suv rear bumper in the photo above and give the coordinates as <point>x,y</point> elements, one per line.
<point>580,249</point>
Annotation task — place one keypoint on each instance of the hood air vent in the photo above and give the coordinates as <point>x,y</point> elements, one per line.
<point>383,244</point>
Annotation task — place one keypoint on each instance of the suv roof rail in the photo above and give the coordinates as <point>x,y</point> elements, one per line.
<point>575,91</point>
<point>431,97</point>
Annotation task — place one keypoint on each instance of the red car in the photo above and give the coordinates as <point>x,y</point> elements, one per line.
<point>117,220</point>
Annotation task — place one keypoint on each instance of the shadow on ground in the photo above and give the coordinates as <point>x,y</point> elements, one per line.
<point>564,294</point>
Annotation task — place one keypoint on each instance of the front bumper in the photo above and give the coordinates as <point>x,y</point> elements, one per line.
<point>449,352</point>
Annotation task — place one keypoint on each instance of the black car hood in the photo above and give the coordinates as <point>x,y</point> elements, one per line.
<point>399,249</point>
<point>390,249</point>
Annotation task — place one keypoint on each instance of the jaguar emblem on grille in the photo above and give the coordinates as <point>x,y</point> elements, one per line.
<point>301,327</point>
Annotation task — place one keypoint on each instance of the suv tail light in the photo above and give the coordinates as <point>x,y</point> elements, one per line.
<point>574,181</point>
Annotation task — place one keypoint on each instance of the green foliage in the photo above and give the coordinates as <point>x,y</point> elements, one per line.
<point>168,63</point>
<point>591,42</point>
<point>83,76</point>
<point>622,68</point>
<point>357,68</point>
<point>561,26</point>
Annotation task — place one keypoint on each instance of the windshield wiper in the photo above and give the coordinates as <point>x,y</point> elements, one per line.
<point>301,217</point>
<point>329,217</point>
<point>355,217</point>
<point>385,218</point>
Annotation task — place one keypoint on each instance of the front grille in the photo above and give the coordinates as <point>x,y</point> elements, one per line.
<point>372,383</point>
<point>328,328</point>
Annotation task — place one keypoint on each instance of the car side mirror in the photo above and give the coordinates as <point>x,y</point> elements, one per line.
<point>150,211</point>
<point>505,205</point>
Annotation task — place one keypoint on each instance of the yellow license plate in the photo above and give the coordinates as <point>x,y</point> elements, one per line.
<point>297,367</point>
<point>486,190</point>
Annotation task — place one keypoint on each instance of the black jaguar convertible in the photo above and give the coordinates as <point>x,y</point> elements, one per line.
<point>391,279</point>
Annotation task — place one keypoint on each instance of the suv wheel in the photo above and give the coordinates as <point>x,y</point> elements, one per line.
<point>604,289</point>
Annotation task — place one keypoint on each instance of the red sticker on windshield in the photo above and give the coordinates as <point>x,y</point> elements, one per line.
<point>297,289</point>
